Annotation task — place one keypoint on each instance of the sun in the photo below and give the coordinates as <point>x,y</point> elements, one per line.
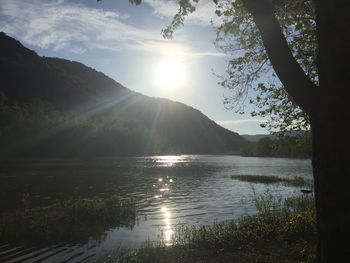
<point>170,74</point>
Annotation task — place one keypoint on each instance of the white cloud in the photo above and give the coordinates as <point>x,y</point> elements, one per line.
<point>237,122</point>
<point>163,8</point>
<point>57,25</point>
<point>203,16</point>
<point>60,25</point>
<point>213,54</point>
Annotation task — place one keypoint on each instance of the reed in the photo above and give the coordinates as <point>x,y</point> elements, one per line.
<point>264,179</point>
<point>281,231</point>
<point>67,221</point>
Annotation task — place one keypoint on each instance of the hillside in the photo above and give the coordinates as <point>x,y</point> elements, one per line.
<point>55,107</point>
<point>257,137</point>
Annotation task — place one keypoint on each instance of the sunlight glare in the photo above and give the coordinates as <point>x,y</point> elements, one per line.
<point>170,74</point>
<point>169,160</point>
<point>167,214</point>
<point>167,230</point>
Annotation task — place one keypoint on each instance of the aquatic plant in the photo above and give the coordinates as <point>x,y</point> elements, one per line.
<point>281,231</point>
<point>297,181</point>
<point>69,221</point>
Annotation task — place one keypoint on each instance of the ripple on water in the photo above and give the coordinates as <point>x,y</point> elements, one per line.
<point>169,190</point>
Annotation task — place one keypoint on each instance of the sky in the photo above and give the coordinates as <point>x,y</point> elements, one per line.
<point>125,42</point>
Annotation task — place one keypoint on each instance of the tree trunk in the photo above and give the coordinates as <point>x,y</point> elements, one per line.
<point>331,163</point>
<point>329,120</point>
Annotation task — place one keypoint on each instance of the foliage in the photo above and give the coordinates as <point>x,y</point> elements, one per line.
<point>298,146</point>
<point>91,114</point>
<point>265,179</point>
<point>35,128</point>
<point>67,221</point>
<point>249,74</point>
<point>282,231</point>
<point>249,67</point>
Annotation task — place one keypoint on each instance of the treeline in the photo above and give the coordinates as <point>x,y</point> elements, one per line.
<point>37,129</point>
<point>83,112</point>
<point>297,146</point>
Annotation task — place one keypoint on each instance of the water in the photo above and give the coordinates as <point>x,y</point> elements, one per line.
<point>171,190</point>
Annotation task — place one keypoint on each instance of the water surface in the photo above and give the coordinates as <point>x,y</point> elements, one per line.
<point>170,190</point>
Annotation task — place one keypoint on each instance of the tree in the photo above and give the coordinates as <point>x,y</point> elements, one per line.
<point>239,37</point>
<point>264,147</point>
<point>323,99</point>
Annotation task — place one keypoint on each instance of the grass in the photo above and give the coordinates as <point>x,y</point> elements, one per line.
<point>67,221</point>
<point>281,231</point>
<point>295,181</point>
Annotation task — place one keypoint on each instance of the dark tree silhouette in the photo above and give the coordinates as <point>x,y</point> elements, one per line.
<point>325,103</point>
<point>327,107</point>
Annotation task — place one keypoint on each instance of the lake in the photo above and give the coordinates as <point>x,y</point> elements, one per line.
<point>170,190</point>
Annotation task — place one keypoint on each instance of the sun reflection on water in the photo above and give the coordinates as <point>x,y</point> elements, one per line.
<point>166,228</point>
<point>162,188</point>
<point>168,161</point>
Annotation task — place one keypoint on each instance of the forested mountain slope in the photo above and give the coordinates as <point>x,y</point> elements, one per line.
<point>55,107</point>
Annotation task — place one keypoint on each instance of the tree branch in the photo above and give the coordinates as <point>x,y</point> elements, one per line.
<point>292,76</point>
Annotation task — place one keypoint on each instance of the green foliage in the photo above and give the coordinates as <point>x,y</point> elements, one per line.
<point>273,102</point>
<point>282,231</point>
<point>91,114</point>
<point>298,146</point>
<point>249,74</point>
<point>67,221</point>
<point>249,68</point>
<point>265,179</point>
<point>37,129</point>
<point>134,2</point>
<point>186,7</point>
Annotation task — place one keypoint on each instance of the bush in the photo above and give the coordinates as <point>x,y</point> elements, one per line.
<point>281,231</point>
<point>68,221</point>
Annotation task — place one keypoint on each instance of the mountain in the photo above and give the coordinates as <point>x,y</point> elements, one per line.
<point>54,107</point>
<point>257,137</point>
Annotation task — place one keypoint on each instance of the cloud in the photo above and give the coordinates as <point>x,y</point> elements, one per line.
<point>175,49</point>
<point>203,16</point>
<point>212,54</point>
<point>237,122</point>
<point>57,25</point>
<point>60,25</point>
<point>163,8</point>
